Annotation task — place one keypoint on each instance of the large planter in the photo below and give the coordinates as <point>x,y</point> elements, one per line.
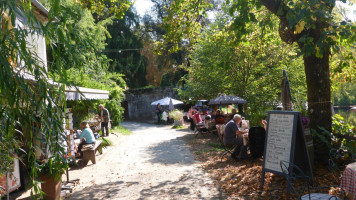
<point>51,188</point>
<point>178,123</point>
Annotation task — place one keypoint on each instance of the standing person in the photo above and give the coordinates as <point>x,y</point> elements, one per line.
<point>105,119</point>
<point>159,112</point>
<point>86,136</point>
<point>233,135</point>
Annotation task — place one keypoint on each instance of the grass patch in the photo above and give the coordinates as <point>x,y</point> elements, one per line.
<point>177,127</point>
<point>122,130</point>
<point>105,142</point>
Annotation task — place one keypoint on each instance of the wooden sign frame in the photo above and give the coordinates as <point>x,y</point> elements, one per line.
<point>284,127</point>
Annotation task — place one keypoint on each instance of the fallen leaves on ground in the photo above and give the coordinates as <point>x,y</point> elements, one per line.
<point>241,180</point>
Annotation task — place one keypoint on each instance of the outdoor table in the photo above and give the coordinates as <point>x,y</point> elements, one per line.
<point>348,180</point>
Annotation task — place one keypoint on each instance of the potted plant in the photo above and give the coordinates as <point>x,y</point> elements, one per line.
<point>177,115</point>
<point>50,171</point>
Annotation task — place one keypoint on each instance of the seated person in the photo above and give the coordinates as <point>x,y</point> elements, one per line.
<point>219,118</point>
<point>165,116</point>
<point>86,136</point>
<point>233,135</point>
<point>197,118</point>
<point>209,123</point>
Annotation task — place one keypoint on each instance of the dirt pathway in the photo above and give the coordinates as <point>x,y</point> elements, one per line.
<point>152,163</point>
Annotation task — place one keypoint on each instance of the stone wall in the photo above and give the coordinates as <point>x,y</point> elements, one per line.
<point>139,101</point>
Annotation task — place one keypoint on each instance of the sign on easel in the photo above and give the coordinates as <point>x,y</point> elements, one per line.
<point>284,141</point>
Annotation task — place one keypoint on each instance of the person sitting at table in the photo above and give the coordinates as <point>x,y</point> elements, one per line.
<point>86,137</point>
<point>209,123</point>
<point>219,118</point>
<point>197,118</point>
<point>232,135</point>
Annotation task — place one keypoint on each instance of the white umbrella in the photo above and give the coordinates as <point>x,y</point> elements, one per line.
<point>165,101</point>
<point>171,106</point>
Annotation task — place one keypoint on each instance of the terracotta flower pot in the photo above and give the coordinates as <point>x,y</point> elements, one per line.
<point>51,187</point>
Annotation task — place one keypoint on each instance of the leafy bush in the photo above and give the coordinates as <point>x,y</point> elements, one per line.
<point>339,127</point>
<point>176,114</point>
<point>115,110</point>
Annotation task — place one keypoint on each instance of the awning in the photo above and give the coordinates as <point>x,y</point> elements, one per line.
<point>71,92</point>
<point>85,94</point>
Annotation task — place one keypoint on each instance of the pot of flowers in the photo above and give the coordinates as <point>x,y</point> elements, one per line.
<point>177,116</point>
<point>50,172</point>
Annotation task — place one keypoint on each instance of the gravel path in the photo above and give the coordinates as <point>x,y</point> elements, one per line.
<point>152,163</point>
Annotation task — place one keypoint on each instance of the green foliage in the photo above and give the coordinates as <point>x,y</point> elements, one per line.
<point>116,111</point>
<point>106,7</point>
<point>124,49</point>
<point>53,166</point>
<point>176,114</point>
<point>345,94</point>
<point>340,127</point>
<point>122,130</point>
<point>177,127</point>
<point>252,69</point>
<point>31,106</point>
<point>105,142</point>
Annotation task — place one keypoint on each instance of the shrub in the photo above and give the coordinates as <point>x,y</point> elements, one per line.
<point>176,114</point>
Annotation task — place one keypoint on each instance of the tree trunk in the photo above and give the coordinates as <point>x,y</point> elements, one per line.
<point>319,100</point>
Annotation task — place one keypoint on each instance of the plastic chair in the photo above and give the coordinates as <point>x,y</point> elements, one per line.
<point>256,138</point>
<point>292,172</point>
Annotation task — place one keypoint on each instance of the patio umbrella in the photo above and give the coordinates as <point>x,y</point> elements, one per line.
<point>171,106</point>
<point>286,96</point>
<point>165,101</point>
<point>227,100</point>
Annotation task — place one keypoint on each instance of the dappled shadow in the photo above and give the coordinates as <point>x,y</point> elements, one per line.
<point>163,190</point>
<point>103,191</point>
<point>170,152</point>
<point>178,189</point>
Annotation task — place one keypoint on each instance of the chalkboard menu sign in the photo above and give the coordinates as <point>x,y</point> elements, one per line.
<point>284,137</point>
<point>279,140</point>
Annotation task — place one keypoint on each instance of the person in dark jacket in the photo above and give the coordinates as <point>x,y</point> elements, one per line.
<point>105,119</point>
<point>233,135</point>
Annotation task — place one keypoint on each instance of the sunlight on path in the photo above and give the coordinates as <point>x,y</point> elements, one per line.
<point>152,163</point>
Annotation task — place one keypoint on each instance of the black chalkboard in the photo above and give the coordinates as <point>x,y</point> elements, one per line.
<point>285,141</point>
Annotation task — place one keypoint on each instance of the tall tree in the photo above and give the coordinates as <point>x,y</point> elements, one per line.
<point>308,23</point>
<point>125,50</point>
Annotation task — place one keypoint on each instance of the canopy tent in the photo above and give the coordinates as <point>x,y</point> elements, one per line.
<point>227,100</point>
<point>165,102</point>
<point>85,94</point>
<point>286,96</point>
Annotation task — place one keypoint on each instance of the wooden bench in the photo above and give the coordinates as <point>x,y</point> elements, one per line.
<point>89,151</point>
